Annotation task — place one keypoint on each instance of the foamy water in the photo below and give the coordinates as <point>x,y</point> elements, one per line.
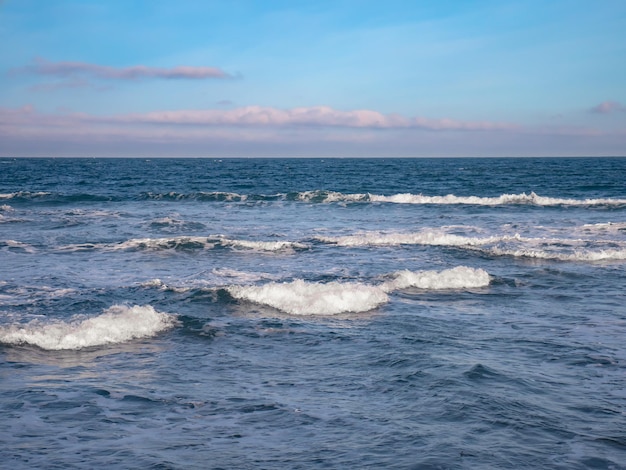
<point>116,325</point>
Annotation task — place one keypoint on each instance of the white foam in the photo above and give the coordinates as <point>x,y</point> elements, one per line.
<point>461,277</point>
<point>427,237</point>
<point>315,298</point>
<point>582,255</point>
<point>116,325</point>
<point>158,283</point>
<point>5,208</point>
<point>23,194</point>
<point>188,243</point>
<point>504,199</point>
<point>263,245</point>
<point>172,243</point>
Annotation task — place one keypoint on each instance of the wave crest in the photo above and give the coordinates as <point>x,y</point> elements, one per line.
<point>426,237</point>
<point>117,324</point>
<point>504,199</point>
<point>461,277</point>
<point>312,298</point>
<point>315,298</point>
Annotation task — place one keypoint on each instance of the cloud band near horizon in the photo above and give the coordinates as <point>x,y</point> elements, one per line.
<point>66,70</point>
<point>258,116</point>
<point>256,130</point>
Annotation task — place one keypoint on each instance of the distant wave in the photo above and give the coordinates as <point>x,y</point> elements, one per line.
<point>188,244</point>
<point>24,195</point>
<point>300,297</point>
<point>504,199</point>
<point>116,325</point>
<point>218,196</point>
<point>321,196</point>
<point>451,199</point>
<point>425,237</point>
<point>48,197</point>
<point>560,249</point>
<point>577,255</point>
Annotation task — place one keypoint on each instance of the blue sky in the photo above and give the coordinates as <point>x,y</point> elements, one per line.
<point>317,78</point>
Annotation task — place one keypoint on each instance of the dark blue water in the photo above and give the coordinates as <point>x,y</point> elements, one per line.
<point>313,313</point>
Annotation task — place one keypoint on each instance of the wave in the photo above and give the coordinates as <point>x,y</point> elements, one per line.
<point>322,196</point>
<point>14,245</point>
<point>311,298</point>
<point>426,237</point>
<point>580,255</point>
<point>504,199</point>
<point>408,198</point>
<point>300,297</point>
<point>117,324</point>
<point>24,195</point>
<point>184,243</point>
<point>559,249</point>
<point>461,277</point>
<point>48,197</point>
<point>218,196</point>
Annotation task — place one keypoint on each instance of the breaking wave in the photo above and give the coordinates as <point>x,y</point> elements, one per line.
<point>321,196</point>
<point>117,324</point>
<point>48,197</point>
<point>461,277</point>
<point>300,297</point>
<point>426,237</point>
<point>504,199</point>
<point>579,255</point>
<point>311,298</point>
<point>188,244</point>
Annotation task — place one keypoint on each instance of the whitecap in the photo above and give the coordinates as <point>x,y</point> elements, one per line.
<point>313,298</point>
<point>504,199</point>
<point>263,245</point>
<point>461,277</point>
<point>189,243</point>
<point>23,194</point>
<point>581,255</point>
<point>300,297</point>
<point>426,237</point>
<point>117,324</point>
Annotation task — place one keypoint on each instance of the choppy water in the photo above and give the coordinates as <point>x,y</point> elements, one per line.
<point>285,313</point>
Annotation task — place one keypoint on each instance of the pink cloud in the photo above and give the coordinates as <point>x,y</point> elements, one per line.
<point>607,107</point>
<point>260,131</point>
<point>81,69</point>
<point>316,116</point>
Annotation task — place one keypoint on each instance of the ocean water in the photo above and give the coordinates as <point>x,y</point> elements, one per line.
<point>313,313</point>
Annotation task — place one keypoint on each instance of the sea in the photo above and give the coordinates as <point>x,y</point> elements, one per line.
<point>277,313</point>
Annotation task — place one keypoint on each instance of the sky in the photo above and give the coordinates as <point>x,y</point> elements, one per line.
<point>328,78</point>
